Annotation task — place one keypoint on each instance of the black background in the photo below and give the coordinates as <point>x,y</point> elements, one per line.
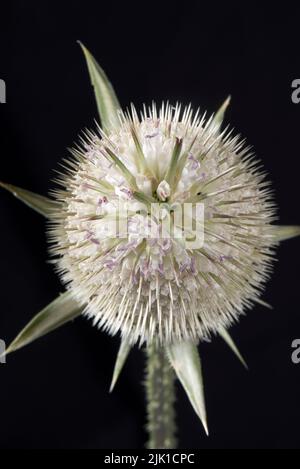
<point>54,393</point>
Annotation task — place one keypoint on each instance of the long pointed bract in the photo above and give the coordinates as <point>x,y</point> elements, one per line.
<point>219,116</point>
<point>226,336</point>
<point>107,101</point>
<point>63,309</point>
<point>185,359</point>
<point>123,353</point>
<point>281,233</point>
<point>43,205</point>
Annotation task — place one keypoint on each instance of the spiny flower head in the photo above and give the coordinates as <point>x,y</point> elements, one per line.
<point>113,250</point>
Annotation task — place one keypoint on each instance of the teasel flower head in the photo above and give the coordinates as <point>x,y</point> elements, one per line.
<point>121,246</point>
<point>162,231</point>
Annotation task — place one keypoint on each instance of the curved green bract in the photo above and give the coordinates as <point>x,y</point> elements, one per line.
<point>106,99</point>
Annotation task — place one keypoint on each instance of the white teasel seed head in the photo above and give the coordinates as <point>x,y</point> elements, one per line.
<point>154,288</point>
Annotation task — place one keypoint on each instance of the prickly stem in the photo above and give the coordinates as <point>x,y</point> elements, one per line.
<point>160,393</point>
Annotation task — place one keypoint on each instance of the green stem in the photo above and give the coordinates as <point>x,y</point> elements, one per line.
<point>160,392</point>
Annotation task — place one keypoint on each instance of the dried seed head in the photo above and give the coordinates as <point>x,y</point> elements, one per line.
<point>112,249</point>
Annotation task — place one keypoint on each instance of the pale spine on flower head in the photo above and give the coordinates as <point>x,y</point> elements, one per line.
<point>136,282</point>
<point>163,191</point>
